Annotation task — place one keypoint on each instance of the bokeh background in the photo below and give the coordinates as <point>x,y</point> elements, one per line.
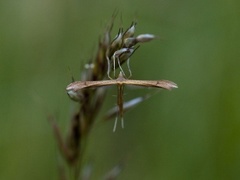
<point>188,133</point>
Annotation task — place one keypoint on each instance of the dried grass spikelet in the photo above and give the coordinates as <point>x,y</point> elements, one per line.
<point>110,55</point>
<point>91,99</point>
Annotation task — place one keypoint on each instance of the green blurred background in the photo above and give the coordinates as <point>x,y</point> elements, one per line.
<point>188,133</point>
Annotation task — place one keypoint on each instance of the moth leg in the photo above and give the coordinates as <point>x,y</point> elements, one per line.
<point>109,67</point>
<point>115,124</point>
<point>128,66</point>
<point>120,67</point>
<point>122,121</point>
<point>114,65</point>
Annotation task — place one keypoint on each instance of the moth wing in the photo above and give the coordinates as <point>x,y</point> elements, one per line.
<point>165,84</point>
<point>78,85</point>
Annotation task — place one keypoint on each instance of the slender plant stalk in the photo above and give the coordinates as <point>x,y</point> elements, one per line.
<point>100,71</point>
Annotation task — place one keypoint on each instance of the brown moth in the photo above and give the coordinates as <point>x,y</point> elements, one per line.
<point>76,86</point>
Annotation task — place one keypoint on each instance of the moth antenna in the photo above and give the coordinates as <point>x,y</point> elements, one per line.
<point>115,124</point>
